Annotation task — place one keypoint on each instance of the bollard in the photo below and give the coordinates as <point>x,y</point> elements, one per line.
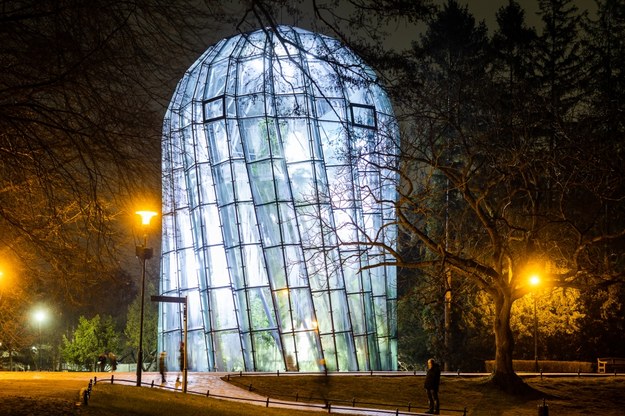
<point>543,409</point>
<point>296,396</point>
<point>278,372</point>
<point>250,387</point>
<point>353,402</point>
<point>85,397</point>
<point>208,392</point>
<point>95,380</point>
<point>267,404</point>
<point>112,378</point>
<point>228,377</point>
<point>152,384</point>
<point>409,405</point>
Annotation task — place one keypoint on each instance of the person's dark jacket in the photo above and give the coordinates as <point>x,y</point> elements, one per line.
<point>433,377</point>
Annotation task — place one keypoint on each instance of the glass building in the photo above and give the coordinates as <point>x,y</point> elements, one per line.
<point>279,149</point>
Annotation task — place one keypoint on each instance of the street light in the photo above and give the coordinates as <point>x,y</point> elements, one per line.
<point>40,316</point>
<point>535,281</point>
<point>144,253</point>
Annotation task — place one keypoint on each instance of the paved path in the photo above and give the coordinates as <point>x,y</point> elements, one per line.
<point>212,385</point>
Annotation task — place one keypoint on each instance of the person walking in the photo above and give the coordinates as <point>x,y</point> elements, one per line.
<point>113,360</point>
<point>102,362</point>
<point>162,366</point>
<point>432,381</point>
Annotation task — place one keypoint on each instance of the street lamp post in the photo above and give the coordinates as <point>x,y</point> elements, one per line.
<point>535,281</point>
<point>39,317</point>
<point>144,253</point>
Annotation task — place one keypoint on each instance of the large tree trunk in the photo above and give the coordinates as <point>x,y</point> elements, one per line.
<point>504,376</point>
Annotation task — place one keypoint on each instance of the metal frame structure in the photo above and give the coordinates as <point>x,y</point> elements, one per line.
<point>279,158</point>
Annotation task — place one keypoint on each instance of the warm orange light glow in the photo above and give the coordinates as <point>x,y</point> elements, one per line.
<point>146,216</point>
<point>534,280</point>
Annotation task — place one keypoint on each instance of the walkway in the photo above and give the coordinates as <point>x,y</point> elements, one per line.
<point>212,385</point>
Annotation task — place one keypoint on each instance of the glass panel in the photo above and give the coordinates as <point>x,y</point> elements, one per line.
<point>196,351</point>
<point>291,105</point>
<point>296,140</point>
<point>275,265</point>
<point>287,76</point>
<point>254,265</point>
<point>303,184</point>
<point>222,309</point>
<point>308,351</point>
<point>228,354</point>
<point>284,309</point>
<point>241,181</point>
<point>230,229</point>
<point>326,80</point>
<point>261,309</point>
<point>362,352</point>
<point>223,182</point>
<point>251,77</point>
<point>214,84</point>
<point>340,313</point>
<point>288,345</point>
<point>254,134</point>
<point>217,140</point>
<point>303,312</point>
<point>322,308</point>
<point>355,307</point>
<point>363,115</point>
<point>214,109</point>
<point>267,350</point>
<point>218,268</point>
<point>295,267</point>
<point>251,105</point>
<point>261,182</point>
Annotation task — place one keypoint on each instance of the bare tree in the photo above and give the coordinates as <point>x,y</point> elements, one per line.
<point>83,87</point>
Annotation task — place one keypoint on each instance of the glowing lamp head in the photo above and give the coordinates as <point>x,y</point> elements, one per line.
<point>534,280</point>
<point>40,316</point>
<point>146,216</point>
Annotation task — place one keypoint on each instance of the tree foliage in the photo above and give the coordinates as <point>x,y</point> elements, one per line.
<point>91,338</point>
<point>150,326</point>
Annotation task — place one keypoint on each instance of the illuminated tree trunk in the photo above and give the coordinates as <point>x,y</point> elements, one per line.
<point>504,375</point>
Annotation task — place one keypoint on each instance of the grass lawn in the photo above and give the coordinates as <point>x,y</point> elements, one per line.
<point>568,396</point>
<point>117,399</point>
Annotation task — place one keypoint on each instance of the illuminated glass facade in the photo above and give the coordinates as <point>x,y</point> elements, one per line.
<point>277,149</point>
